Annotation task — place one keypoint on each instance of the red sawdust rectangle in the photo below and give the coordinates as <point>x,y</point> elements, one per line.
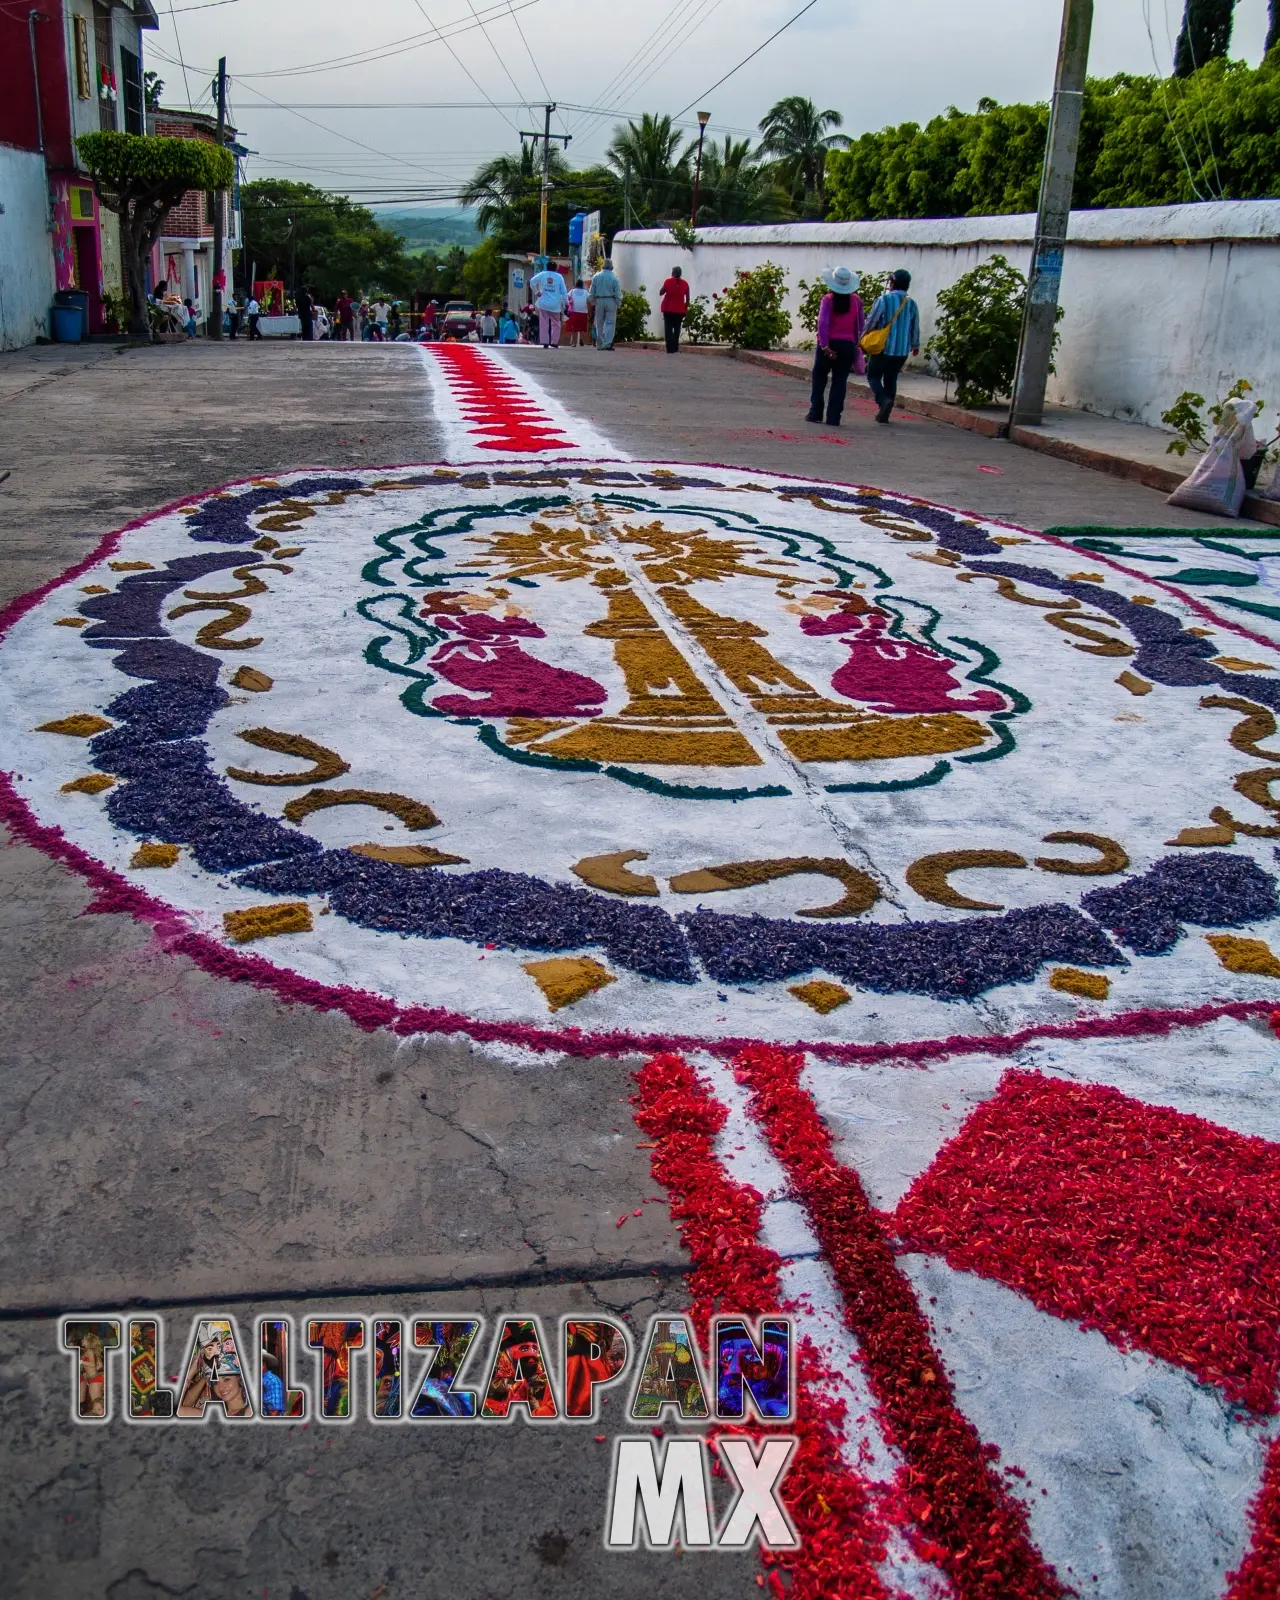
<point>1160,1229</point>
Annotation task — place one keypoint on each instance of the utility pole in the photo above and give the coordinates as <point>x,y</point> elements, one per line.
<point>703,118</point>
<point>215,318</point>
<point>626,195</point>
<point>546,136</point>
<point>1035,347</point>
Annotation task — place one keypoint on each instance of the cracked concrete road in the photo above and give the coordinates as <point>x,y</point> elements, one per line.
<point>171,1140</point>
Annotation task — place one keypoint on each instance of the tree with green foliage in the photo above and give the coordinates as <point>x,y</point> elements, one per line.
<point>507,194</point>
<point>1143,142</point>
<point>1205,35</point>
<point>484,275</point>
<point>1273,25</point>
<point>737,188</point>
<point>977,331</point>
<point>661,184</point>
<point>797,135</point>
<point>750,313</point>
<point>305,235</point>
<point>141,180</point>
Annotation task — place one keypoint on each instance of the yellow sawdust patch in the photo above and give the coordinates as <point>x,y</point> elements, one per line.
<point>130,566</point>
<point>70,622</point>
<point>1089,985</point>
<point>406,855</point>
<point>83,725</point>
<point>1143,599</point>
<point>861,890</point>
<point>1086,577</point>
<point>1239,664</point>
<point>567,979</point>
<point>1214,833</point>
<point>881,738</point>
<point>610,872</point>
<point>94,588</point>
<point>1244,955</point>
<point>91,783</point>
<point>251,678</point>
<point>154,855</point>
<point>821,995</point>
<point>928,876</point>
<point>262,922</point>
<point>1133,683</point>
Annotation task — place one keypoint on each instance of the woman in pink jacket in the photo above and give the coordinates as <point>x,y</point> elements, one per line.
<point>838,352</point>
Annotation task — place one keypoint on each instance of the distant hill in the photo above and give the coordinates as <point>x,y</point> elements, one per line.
<point>424,229</point>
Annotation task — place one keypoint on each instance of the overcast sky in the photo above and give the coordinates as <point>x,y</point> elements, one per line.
<point>875,64</point>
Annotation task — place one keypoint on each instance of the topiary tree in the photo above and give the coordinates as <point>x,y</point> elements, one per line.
<point>141,179</point>
<point>1205,35</point>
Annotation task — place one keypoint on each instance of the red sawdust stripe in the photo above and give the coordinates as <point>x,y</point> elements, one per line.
<point>842,1539</point>
<point>1258,1576</point>
<point>982,1534</point>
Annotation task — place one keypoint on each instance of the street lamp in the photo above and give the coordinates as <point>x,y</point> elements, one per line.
<point>703,118</point>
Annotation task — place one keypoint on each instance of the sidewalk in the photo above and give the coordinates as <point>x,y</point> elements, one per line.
<point>1123,449</point>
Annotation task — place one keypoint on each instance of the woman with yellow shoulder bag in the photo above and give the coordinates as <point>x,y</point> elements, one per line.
<point>892,333</point>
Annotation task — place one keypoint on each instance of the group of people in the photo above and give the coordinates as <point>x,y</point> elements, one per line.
<point>585,312</point>
<point>878,343</point>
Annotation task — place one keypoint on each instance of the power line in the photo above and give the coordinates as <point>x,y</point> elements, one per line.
<point>513,126</point>
<point>745,59</point>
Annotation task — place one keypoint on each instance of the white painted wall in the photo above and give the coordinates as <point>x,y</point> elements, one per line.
<point>1157,299</point>
<point>26,252</point>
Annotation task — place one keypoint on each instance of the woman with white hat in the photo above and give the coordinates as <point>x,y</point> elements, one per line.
<point>838,352</point>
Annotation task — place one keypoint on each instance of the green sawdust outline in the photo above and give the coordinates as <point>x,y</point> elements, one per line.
<point>793,543</point>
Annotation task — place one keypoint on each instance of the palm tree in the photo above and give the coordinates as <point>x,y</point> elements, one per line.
<point>506,192</point>
<point>659,173</point>
<point>795,134</point>
<point>736,188</point>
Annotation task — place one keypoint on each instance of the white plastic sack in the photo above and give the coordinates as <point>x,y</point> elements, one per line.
<point>1217,484</point>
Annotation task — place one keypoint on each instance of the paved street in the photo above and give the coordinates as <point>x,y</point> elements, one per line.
<point>172,1140</point>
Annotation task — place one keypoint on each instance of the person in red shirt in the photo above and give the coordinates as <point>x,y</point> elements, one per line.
<point>674,304</point>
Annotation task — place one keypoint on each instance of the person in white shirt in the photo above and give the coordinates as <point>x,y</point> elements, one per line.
<point>488,327</point>
<point>380,311</point>
<point>251,312</point>
<point>575,328</point>
<point>551,298</point>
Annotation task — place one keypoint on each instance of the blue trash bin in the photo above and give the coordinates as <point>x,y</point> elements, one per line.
<point>68,324</point>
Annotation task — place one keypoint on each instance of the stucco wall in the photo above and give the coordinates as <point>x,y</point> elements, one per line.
<point>1157,299</point>
<point>26,278</point>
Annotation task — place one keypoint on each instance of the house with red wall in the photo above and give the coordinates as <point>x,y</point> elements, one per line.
<point>67,67</point>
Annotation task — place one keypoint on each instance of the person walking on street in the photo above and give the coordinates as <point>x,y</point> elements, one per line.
<point>508,328</point>
<point>306,313</point>
<point>551,299</point>
<point>897,314</point>
<point>837,353</point>
<point>605,296</point>
<point>233,316</point>
<point>488,326</point>
<point>342,305</point>
<point>575,328</point>
<point>251,312</point>
<point>673,305</point>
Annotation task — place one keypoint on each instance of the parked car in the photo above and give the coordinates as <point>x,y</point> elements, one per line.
<point>459,320</point>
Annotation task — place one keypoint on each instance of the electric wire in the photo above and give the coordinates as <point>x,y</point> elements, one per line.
<point>513,126</point>
<point>746,59</point>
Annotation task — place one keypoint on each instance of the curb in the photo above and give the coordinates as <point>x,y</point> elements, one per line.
<point>1165,479</point>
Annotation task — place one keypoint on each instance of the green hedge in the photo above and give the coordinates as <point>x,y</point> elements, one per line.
<point>1143,142</point>
<point>129,161</point>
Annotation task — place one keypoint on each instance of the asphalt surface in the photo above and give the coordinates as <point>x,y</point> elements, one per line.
<point>171,1140</point>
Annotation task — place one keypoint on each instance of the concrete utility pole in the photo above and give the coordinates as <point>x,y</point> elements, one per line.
<point>626,195</point>
<point>215,299</point>
<point>1035,347</point>
<point>546,136</point>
